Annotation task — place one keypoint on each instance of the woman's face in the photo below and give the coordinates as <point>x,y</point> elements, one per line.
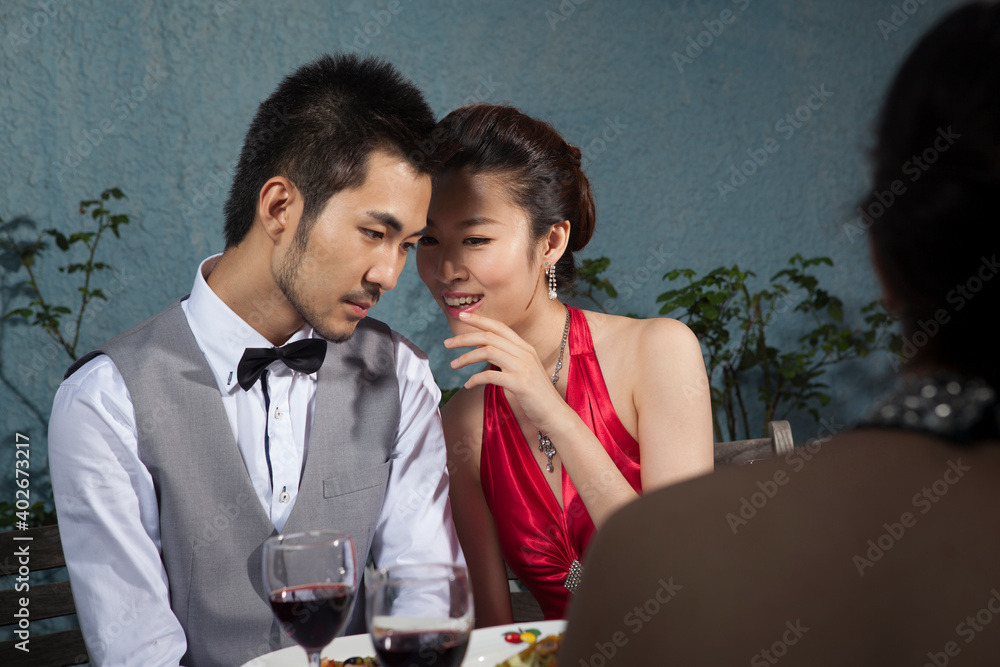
<point>475,256</point>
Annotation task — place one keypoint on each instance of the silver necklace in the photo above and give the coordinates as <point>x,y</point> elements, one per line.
<point>545,445</point>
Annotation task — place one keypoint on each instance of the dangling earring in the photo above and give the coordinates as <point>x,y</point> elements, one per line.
<point>550,271</point>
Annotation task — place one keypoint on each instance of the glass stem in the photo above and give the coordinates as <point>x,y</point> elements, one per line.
<point>313,658</point>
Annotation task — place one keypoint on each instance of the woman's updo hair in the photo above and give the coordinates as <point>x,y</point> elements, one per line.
<point>934,206</point>
<point>539,170</point>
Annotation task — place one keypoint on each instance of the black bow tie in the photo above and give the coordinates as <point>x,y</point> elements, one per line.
<point>305,356</point>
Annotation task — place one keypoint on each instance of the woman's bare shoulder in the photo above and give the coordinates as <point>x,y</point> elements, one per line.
<point>657,333</point>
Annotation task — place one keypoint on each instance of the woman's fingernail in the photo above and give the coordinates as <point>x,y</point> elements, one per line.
<point>463,316</point>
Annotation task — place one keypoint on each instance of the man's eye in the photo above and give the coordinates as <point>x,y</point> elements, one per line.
<point>406,246</point>
<point>374,234</point>
<point>427,240</point>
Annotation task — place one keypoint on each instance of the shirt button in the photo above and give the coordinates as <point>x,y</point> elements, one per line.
<point>283,497</point>
<point>278,413</point>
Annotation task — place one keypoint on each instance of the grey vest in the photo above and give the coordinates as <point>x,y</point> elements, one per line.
<point>212,525</point>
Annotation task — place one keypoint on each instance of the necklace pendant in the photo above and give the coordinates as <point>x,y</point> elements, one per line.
<point>546,447</point>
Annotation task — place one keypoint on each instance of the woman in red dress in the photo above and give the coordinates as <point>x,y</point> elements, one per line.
<point>577,412</point>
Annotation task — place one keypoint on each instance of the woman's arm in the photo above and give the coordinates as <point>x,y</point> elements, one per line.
<point>670,393</point>
<point>673,403</point>
<point>463,424</point>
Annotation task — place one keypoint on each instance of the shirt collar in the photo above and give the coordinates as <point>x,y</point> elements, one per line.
<point>223,335</point>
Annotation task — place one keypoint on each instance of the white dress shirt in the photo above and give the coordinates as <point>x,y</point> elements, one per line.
<point>108,514</point>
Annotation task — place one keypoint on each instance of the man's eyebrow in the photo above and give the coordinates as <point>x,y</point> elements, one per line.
<point>386,218</point>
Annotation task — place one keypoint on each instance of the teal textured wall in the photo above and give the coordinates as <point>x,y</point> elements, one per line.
<point>666,100</point>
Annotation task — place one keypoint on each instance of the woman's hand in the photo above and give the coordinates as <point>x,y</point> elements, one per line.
<point>520,370</point>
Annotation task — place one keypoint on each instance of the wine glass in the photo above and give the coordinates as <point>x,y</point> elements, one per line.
<point>311,582</point>
<point>420,615</point>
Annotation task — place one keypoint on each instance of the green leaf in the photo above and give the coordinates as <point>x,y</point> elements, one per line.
<point>19,312</point>
<point>717,298</point>
<point>836,310</point>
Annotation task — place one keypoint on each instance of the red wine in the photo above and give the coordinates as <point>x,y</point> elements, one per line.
<point>440,648</point>
<point>312,615</point>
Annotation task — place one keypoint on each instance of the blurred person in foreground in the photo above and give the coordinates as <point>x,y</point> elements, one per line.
<point>266,401</point>
<point>879,547</point>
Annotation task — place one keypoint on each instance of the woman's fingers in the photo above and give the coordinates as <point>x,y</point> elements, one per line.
<point>485,323</point>
<point>500,358</point>
<point>483,339</point>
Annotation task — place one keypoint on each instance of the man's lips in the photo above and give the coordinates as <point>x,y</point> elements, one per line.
<point>360,307</point>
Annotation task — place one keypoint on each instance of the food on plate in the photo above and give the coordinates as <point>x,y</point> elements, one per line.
<point>529,636</point>
<point>366,662</point>
<point>540,654</point>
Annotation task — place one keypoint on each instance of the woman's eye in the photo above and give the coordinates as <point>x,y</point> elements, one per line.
<point>477,241</point>
<point>427,240</point>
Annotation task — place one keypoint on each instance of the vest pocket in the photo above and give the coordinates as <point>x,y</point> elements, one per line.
<point>351,481</point>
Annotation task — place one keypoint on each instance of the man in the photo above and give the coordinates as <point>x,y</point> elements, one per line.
<point>180,446</point>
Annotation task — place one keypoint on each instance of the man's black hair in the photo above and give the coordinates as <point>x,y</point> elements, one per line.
<point>318,130</point>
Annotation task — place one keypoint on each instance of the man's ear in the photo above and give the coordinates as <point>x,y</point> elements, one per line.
<point>554,243</point>
<point>279,207</point>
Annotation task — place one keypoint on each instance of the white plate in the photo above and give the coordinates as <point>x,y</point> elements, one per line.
<point>487,647</point>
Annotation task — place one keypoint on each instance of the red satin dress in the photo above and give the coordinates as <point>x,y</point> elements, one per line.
<point>539,539</point>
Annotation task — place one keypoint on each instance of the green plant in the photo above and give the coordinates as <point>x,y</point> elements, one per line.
<point>732,321</point>
<point>47,315</point>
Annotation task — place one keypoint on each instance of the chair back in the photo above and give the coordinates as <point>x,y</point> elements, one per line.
<point>26,552</point>
<point>778,443</point>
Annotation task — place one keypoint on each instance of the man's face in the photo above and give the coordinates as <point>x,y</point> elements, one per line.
<point>356,248</point>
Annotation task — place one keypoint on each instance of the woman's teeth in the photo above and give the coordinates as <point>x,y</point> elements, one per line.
<point>461,301</point>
